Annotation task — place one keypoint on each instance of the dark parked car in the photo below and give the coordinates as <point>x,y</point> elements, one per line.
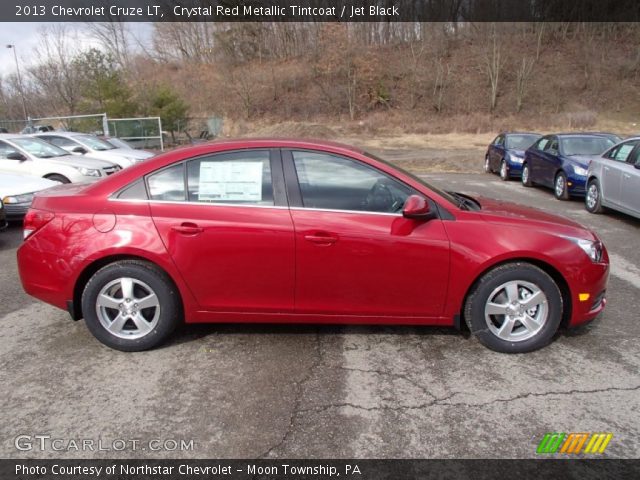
<point>506,153</point>
<point>303,232</point>
<point>611,136</point>
<point>560,161</point>
<point>3,217</point>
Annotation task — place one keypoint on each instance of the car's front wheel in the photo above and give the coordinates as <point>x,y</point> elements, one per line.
<point>593,198</point>
<point>526,175</point>
<point>560,187</point>
<point>514,308</point>
<point>487,165</point>
<point>131,305</point>
<point>504,171</point>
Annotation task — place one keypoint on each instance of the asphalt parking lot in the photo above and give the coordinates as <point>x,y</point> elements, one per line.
<point>327,392</point>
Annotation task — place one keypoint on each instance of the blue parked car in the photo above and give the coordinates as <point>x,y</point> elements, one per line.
<point>506,153</point>
<point>560,162</point>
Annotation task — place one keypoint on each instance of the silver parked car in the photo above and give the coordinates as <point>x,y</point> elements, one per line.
<point>613,179</point>
<point>84,143</point>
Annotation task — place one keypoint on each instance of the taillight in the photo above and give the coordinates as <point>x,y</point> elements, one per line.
<point>34,220</point>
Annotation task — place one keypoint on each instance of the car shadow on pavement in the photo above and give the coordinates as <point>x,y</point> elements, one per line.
<point>192,332</point>
<point>11,237</point>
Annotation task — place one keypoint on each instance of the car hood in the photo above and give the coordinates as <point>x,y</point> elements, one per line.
<point>499,212</point>
<point>131,153</point>
<point>11,184</point>
<point>582,160</point>
<point>516,152</point>
<point>84,161</point>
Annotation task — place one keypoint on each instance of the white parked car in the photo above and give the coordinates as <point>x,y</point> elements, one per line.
<point>16,192</point>
<point>86,144</point>
<point>30,156</point>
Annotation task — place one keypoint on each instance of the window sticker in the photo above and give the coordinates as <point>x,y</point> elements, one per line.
<point>230,181</point>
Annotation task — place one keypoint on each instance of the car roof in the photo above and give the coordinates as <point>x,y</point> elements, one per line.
<point>274,142</point>
<point>581,134</point>
<point>520,133</point>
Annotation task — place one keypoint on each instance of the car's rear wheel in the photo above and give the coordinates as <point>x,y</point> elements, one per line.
<point>504,171</point>
<point>131,305</point>
<point>58,178</point>
<point>487,165</point>
<point>526,175</point>
<point>593,198</point>
<point>514,308</point>
<point>560,188</point>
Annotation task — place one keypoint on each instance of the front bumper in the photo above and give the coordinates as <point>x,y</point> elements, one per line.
<point>577,185</point>
<point>515,169</point>
<point>588,292</point>
<point>16,211</point>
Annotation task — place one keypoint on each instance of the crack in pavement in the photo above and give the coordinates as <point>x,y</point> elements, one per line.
<point>443,401</point>
<point>299,384</point>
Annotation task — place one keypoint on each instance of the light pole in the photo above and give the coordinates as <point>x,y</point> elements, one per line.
<point>24,103</point>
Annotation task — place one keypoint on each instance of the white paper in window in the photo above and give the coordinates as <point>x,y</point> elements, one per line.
<point>230,181</point>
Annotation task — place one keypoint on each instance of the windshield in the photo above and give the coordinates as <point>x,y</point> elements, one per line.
<point>451,198</point>
<point>39,148</point>
<point>521,142</point>
<point>585,145</point>
<point>93,143</point>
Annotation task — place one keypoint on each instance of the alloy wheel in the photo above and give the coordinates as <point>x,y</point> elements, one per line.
<point>516,311</point>
<point>128,308</point>
<point>592,196</point>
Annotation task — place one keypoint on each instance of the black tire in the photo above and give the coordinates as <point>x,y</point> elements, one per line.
<point>593,205</point>
<point>58,178</point>
<point>474,308</point>
<point>504,171</point>
<point>564,193</point>
<point>167,296</point>
<point>487,165</point>
<point>526,175</point>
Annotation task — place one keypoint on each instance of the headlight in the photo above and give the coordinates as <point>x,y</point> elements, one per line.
<point>13,199</point>
<point>592,248</point>
<point>580,171</point>
<point>515,158</point>
<point>88,172</point>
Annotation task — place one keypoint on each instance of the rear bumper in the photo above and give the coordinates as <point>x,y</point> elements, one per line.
<point>44,275</point>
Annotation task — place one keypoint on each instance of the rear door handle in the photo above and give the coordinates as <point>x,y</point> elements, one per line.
<point>187,228</point>
<point>606,168</point>
<point>321,238</point>
<point>626,175</point>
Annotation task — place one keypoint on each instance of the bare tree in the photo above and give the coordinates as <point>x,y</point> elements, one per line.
<point>55,71</point>
<point>523,73</point>
<point>440,84</point>
<point>113,36</point>
<point>493,63</point>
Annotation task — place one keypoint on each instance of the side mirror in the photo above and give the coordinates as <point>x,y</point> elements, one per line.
<point>16,156</point>
<point>637,165</point>
<point>417,208</point>
<point>81,150</point>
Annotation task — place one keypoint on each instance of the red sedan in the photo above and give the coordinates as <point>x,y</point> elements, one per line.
<point>307,232</point>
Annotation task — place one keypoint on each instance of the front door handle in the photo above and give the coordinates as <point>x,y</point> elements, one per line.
<point>187,228</point>
<point>626,175</point>
<point>321,238</point>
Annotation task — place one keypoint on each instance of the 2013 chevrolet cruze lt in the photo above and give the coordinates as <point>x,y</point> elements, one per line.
<point>297,231</point>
